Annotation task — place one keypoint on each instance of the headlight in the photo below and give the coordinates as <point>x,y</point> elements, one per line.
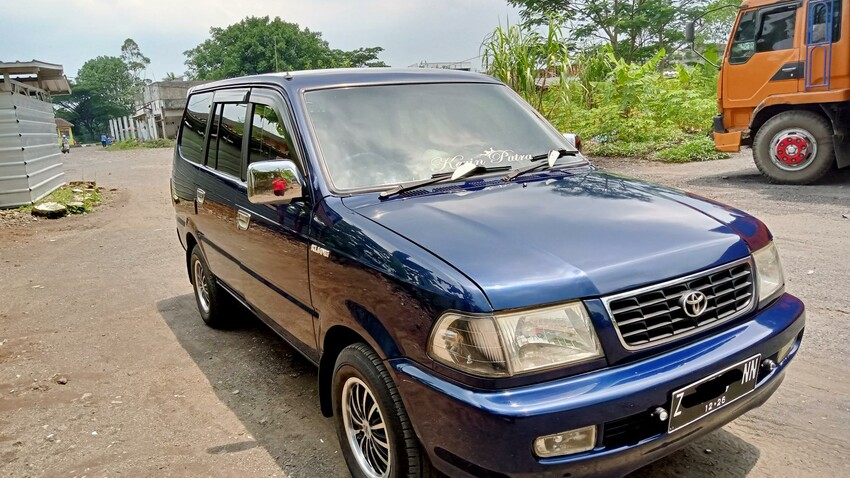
<point>771,280</point>
<point>515,343</point>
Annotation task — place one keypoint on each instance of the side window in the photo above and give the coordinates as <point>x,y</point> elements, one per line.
<point>743,44</point>
<point>776,31</point>
<point>193,127</point>
<point>819,23</point>
<point>228,129</point>
<point>269,137</point>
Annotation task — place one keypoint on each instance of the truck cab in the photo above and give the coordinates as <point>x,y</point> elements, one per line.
<point>784,88</point>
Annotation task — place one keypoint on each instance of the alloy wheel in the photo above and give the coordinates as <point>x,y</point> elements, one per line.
<point>366,429</point>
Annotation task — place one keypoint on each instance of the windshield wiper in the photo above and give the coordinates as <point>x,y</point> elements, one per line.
<point>465,170</point>
<point>552,156</point>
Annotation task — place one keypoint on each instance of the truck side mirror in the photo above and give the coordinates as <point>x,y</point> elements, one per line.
<point>689,33</point>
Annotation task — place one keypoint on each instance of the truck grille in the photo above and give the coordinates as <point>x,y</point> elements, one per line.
<point>655,314</point>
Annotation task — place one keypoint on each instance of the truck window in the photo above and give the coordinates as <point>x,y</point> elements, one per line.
<point>776,30</point>
<point>194,126</point>
<point>743,44</point>
<point>269,138</point>
<point>225,150</point>
<point>818,22</point>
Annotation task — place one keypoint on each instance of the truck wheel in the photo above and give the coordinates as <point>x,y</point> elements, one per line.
<point>794,147</point>
<point>374,432</point>
<point>211,298</point>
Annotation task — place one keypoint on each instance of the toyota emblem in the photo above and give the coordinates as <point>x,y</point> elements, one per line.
<point>694,303</point>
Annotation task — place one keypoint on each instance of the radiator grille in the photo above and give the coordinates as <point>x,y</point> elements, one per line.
<point>656,314</point>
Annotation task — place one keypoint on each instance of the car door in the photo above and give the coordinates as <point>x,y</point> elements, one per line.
<point>219,184</point>
<point>764,57</point>
<point>276,240</point>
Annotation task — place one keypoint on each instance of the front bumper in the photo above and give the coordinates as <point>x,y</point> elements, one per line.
<point>472,433</point>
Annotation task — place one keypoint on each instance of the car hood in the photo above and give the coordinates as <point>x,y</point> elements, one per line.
<point>561,235</point>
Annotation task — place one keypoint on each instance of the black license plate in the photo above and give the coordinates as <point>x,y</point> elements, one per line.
<point>712,393</point>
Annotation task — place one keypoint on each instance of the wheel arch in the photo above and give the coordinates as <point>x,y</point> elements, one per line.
<point>191,242</point>
<point>762,115</point>
<point>336,339</point>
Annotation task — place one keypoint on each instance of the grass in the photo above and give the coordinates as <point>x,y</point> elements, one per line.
<point>127,144</point>
<point>66,194</point>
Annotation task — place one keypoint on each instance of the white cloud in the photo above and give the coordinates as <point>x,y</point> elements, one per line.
<point>72,31</point>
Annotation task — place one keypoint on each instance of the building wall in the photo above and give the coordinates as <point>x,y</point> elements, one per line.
<point>164,102</point>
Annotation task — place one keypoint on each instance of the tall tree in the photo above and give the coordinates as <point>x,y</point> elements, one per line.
<point>136,62</point>
<point>261,45</point>
<point>635,29</point>
<point>104,89</point>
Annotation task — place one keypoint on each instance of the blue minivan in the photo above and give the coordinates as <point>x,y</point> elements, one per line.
<point>480,300</point>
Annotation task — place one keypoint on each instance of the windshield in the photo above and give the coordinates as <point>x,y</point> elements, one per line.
<point>374,136</point>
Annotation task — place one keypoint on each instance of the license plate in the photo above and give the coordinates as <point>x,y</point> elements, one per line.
<point>712,393</point>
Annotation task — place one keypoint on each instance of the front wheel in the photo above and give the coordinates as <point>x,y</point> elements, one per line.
<point>794,147</point>
<point>373,428</point>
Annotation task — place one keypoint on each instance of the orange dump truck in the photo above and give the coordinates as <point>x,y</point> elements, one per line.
<point>784,88</point>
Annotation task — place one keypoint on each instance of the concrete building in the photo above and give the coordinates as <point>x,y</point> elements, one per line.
<point>30,159</point>
<point>159,108</point>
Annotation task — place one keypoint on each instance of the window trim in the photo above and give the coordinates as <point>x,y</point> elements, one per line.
<point>277,101</point>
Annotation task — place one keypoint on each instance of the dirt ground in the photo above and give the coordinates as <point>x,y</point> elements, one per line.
<point>102,303</point>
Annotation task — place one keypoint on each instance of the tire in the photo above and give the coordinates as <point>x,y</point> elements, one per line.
<point>213,301</point>
<point>797,129</point>
<point>359,369</point>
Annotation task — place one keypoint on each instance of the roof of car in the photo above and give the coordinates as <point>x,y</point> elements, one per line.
<point>314,79</point>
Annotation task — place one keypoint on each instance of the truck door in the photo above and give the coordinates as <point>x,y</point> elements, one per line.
<point>764,57</point>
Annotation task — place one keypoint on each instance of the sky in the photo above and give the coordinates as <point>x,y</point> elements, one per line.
<point>69,32</point>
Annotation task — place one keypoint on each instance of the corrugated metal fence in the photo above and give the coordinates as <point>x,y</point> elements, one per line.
<point>30,159</point>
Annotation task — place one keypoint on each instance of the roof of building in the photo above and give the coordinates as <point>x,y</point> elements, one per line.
<point>49,77</point>
<point>316,79</point>
<point>62,123</point>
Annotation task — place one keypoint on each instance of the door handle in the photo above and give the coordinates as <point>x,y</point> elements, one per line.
<point>200,195</point>
<point>243,220</point>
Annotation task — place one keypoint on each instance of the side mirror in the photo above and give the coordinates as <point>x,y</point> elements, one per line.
<point>689,33</point>
<point>573,139</point>
<point>274,182</point>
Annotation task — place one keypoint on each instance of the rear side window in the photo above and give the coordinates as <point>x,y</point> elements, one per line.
<point>269,138</point>
<point>194,126</point>
<point>228,130</point>
<point>777,29</point>
<point>819,22</point>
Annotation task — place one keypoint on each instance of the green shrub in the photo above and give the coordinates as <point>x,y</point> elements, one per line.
<point>696,149</point>
<point>618,108</point>
<point>619,149</point>
<point>124,144</point>
<point>133,144</point>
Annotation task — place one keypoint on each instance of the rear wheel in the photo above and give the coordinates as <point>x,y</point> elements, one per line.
<point>211,298</point>
<point>373,428</point>
<point>794,147</point>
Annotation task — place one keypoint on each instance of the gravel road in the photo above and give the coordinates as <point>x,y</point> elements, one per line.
<point>106,368</point>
